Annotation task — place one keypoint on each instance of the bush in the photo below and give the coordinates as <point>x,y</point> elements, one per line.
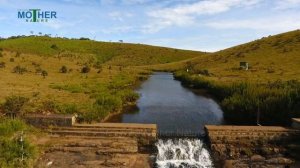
<point>128,95</point>
<point>11,148</point>
<point>103,105</point>
<point>44,73</point>
<point>68,109</point>
<point>1,55</point>
<point>85,69</point>
<point>14,104</point>
<point>11,60</point>
<point>19,70</point>
<point>49,106</point>
<point>109,102</point>
<point>63,69</point>
<point>54,47</point>
<point>2,64</point>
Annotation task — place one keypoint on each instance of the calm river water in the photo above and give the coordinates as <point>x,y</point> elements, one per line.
<point>174,108</point>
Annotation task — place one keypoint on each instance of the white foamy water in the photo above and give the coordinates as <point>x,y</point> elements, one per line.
<point>182,153</point>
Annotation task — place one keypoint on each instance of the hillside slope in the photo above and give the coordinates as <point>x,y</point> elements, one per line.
<point>270,58</point>
<point>122,54</point>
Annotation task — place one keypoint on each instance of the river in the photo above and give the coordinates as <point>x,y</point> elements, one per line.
<point>175,109</point>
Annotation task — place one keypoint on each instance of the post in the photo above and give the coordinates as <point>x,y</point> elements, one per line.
<point>258,115</point>
<point>22,146</point>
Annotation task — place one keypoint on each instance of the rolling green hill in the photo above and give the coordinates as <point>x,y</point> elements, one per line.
<point>270,58</point>
<point>122,54</point>
<point>270,85</point>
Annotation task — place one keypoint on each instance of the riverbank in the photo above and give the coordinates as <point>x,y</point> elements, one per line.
<point>246,103</point>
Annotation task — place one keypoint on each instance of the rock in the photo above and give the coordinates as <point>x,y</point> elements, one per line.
<point>257,158</point>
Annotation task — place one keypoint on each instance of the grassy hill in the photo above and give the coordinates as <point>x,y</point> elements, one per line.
<point>122,54</point>
<point>270,86</point>
<point>49,73</point>
<point>270,58</point>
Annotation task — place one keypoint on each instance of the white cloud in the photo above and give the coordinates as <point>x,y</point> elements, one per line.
<point>133,2</point>
<point>273,24</point>
<point>287,4</point>
<point>120,16</point>
<point>186,14</point>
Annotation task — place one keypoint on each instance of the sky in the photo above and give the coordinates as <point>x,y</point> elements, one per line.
<point>203,25</point>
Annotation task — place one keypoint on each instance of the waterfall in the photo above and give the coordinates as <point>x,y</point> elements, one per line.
<point>182,153</point>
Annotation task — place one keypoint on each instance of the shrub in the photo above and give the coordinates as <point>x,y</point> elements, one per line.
<point>1,55</point>
<point>14,104</point>
<point>11,148</point>
<point>54,47</point>
<point>85,69</point>
<point>38,70</point>
<point>49,106</point>
<point>128,95</point>
<point>44,73</point>
<point>109,102</point>
<point>11,60</point>
<point>68,108</point>
<point>20,70</point>
<point>2,64</point>
<point>63,69</point>
<point>103,105</point>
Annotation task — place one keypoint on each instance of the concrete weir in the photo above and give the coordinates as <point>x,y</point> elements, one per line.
<point>100,145</point>
<point>145,134</point>
<point>251,146</point>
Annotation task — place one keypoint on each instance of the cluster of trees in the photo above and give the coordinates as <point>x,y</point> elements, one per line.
<point>275,102</point>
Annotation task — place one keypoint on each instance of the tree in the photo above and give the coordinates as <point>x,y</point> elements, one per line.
<point>85,69</point>
<point>2,64</point>
<point>20,70</point>
<point>44,73</point>
<point>40,33</point>
<point>31,32</point>
<point>63,69</point>
<point>13,105</point>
